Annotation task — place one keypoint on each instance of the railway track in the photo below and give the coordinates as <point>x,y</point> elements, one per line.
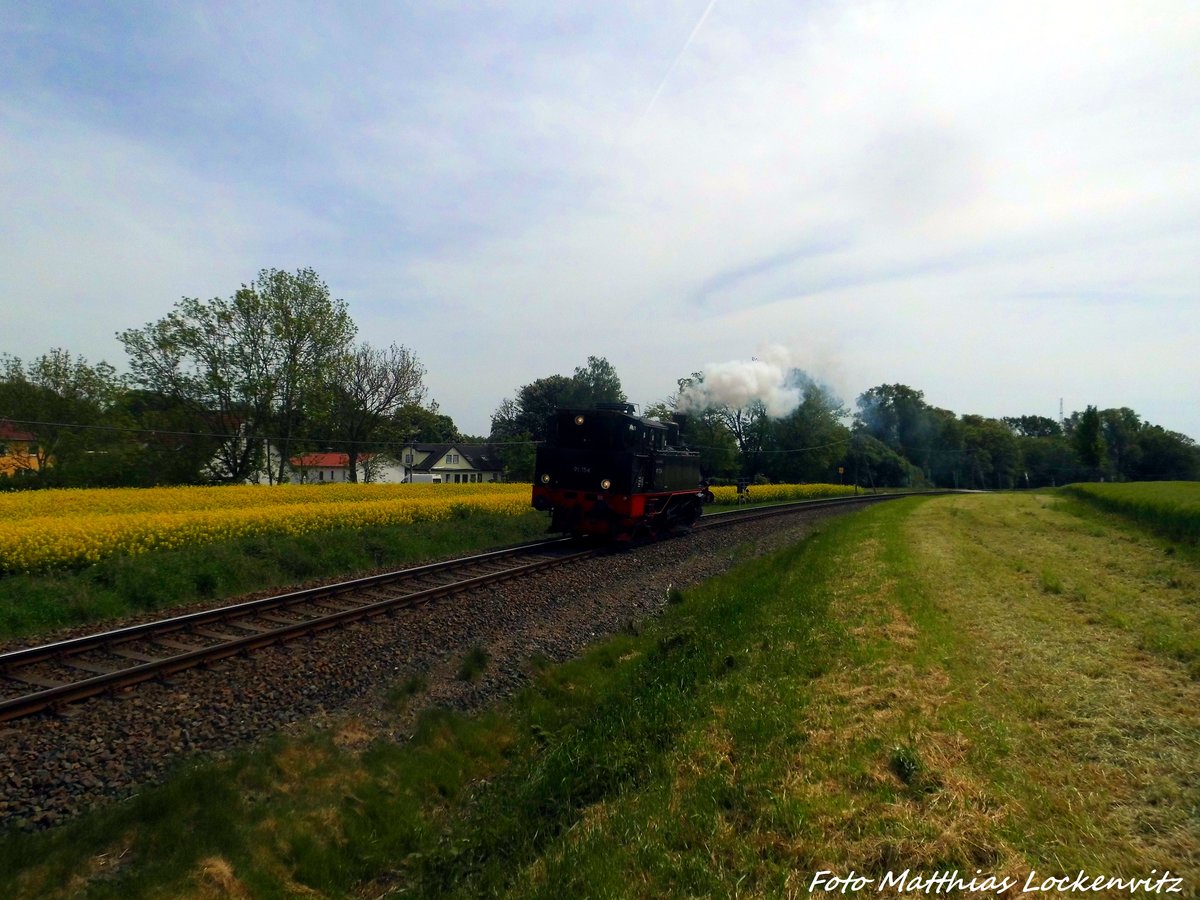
<point>52,676</point>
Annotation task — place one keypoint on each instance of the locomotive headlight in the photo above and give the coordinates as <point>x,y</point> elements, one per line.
<point>605,484</point>
<point>579,420</point>
<point>546,478</point>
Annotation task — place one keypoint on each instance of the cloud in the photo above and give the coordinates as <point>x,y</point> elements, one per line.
<point>908,192</point>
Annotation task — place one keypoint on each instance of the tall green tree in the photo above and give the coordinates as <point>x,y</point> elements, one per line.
<point>1121,430</point>
<point>173,443</point>
<point>310,335</point>
<point>1087,438</point>
<point>424,424</point>
<point>68,404</point>
<point>596,382</point>
<point>1166,456</point>
<point>521,421</point>
<point>992,453</point>
<point>898,416</point>
<point>248,366</point>
<point>810,442</point>
<point>873,464</point>
<point>1047,461</point>
<point>527,413</point>
<point>1033,426</point>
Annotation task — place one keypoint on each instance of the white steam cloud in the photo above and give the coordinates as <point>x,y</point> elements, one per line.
<point>768,378</point>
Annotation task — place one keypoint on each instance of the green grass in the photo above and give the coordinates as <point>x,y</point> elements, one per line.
<point>973,682</point>
<point>473,663</point>
<point>33,604</point>
<point>1171,508</point>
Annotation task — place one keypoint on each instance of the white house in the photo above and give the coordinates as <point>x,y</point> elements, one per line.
<point>450,463</point>
<point>334,468</point>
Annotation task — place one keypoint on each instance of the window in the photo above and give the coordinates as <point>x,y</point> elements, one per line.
<point>408,459</point>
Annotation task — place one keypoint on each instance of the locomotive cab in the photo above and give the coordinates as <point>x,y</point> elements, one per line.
<point>606,471</point>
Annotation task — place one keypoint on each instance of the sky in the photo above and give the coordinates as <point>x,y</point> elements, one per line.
<point>995,203</point>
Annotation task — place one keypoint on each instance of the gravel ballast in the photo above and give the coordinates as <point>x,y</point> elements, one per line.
<point>57,766</point>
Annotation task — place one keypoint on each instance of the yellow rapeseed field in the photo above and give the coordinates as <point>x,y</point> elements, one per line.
<point>57,528</point>
<point>70,528</point>
<point>767,493</point>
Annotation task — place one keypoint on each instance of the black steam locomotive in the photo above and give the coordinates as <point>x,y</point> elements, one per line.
<point>605,471</point>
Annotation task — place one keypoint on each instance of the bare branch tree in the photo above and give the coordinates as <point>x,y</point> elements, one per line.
<point>369,385</point>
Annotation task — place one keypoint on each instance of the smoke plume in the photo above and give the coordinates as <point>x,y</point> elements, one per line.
<point>770,378</point>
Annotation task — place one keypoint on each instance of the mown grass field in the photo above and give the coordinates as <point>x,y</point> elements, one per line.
<point>999,684</point>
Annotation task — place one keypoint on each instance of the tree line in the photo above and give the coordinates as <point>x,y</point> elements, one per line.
<point>230,389</point>
<point>221,390</point>
<point>893,438</point>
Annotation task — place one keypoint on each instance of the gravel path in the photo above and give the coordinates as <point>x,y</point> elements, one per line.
<point>59,765</point>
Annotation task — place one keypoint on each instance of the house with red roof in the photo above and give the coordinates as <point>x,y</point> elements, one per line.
<point>18,450</point>
<point>334,468</point>
<point>415,463</point>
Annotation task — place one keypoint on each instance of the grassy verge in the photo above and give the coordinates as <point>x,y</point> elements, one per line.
<point>120,586</point>
<point>953,683</point>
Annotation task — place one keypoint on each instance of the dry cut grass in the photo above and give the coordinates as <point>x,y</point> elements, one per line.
<point>1076,646</point>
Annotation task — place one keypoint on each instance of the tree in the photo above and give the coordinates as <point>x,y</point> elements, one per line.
<point>596,382</point>
<point>810,441</point>
<point>872,463</point>
<point>746,423</point>
<point>173,444</point>
<point>1167,456</point>
<point>68,404</point>
<point>1088,439</point>
<point>247,366</point>
<point>1047,461</point>
<point>992,452</point>
<point>522,420</point>
<point>947,455</point>
<point>1033,426</point>
<point>414,423</point>
<point>898,416</point>
<point>534,404</point>
<point>367,386</point>
<point>309,335</point>
<point>1121,429</point>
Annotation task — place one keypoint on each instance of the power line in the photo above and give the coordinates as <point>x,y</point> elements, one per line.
<point>209,435</point>
<point>160,432</point>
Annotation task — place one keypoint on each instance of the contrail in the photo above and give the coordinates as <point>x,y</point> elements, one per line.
<point>678,56</point>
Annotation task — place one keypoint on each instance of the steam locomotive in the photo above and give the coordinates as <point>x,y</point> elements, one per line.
<point>607,472</point>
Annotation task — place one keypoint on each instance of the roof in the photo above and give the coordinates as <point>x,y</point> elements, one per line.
<point>326,460</point>
<point>9,432</point>
<point>477,455</point>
